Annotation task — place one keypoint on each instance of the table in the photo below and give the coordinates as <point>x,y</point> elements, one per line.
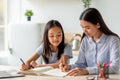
<point>34,77</point>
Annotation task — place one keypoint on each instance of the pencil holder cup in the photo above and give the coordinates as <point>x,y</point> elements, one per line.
<point>103,73</point>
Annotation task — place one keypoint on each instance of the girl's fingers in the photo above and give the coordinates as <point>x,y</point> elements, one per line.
<point>66,68</point>
<point>61,67</point>
<point>23,67</point>
<point>33,64</point>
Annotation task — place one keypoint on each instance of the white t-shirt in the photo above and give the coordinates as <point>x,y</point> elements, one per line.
<point>53,58</point>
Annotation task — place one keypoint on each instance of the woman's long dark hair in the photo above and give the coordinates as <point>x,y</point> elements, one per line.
<point>46,45</point>
<point>93,16</point>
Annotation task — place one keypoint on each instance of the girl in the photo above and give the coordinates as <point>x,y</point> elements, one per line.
<point>98,44</point>
<point>53,49</point>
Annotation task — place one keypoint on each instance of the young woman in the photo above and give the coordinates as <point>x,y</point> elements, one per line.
<point>53,49</point>
<point>98,44</point>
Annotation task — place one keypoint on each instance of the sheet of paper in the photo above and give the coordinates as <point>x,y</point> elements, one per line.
<point>37,71</point>
<point>42,69</point>
<point>48,70</point>
<point>55,72</point>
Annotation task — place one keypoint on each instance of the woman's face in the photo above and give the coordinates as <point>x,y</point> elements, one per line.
<point>89,29</point>
<point>55,36</point>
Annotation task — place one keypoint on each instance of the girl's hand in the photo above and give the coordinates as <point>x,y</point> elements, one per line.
<point>54,65</point>
<point>24,67</point>
<point>33,64</point>
<point>77,72</point>
<point>63,63</point>
<point>64,67</point>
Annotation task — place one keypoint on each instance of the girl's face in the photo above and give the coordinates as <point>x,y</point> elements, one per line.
<point>55,36</point>
<point>89,29</point>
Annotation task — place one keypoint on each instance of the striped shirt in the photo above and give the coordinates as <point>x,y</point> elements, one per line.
<point>106,49</point>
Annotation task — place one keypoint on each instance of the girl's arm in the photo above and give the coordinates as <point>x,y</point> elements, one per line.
<point>35,65</point>
<point>34,57</point>
<point>27,63</point>
<point>62,60</point>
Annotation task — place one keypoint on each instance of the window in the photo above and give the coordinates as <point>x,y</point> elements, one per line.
<point>2,27</point>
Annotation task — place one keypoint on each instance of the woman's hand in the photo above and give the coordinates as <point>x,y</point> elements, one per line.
<point>77,72</point>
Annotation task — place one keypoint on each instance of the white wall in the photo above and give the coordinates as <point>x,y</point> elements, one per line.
<point>66,11</point>
<point>110,10</point>
<point>13,10</point>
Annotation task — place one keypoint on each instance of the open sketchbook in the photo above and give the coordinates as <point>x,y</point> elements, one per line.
<point>48,70</point>
<point>10,74</point>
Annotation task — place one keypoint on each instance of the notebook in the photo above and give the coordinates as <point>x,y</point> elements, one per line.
<point>48,70</point>
<point>10,74</point>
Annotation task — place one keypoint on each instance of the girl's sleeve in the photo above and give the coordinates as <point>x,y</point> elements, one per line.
<point>39,50</point>
<point>68,50</point>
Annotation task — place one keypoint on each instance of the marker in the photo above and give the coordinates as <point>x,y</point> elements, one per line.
<point>22,61</point>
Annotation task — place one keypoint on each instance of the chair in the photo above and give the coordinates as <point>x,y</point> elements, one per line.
<point>23,39</point>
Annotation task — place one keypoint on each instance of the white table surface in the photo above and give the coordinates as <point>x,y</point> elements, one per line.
<point>33,77</point>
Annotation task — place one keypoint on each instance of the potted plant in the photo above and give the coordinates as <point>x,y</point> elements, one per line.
<point>29,13</point>
<point>87,3</point>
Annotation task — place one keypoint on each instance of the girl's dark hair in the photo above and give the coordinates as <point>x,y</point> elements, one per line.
<point>93,16</point>
<point>46,45</point>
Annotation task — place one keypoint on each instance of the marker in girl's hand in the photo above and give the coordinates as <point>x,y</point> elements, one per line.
<point>22,61</point>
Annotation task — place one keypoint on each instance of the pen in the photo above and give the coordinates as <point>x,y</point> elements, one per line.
<point>22,61</point>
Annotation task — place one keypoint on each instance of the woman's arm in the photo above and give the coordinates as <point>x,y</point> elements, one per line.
<point>81,60</point>
<point>114,55</point>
